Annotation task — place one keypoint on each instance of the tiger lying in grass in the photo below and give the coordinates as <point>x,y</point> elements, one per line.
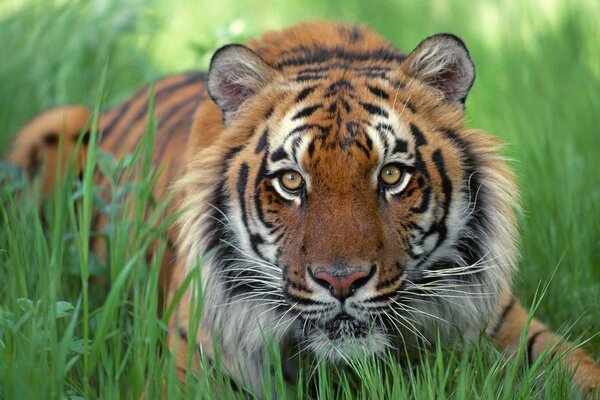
<point>333,195</point>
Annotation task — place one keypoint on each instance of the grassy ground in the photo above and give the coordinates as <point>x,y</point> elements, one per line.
<point>538,87</point>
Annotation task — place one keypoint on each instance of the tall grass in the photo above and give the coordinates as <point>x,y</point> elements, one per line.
<point>70,328</point>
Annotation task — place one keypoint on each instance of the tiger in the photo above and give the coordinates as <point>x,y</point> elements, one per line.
<point>329,190</point>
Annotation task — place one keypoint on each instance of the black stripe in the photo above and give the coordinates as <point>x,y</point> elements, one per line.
<point>470,246</point>
<point>298,286</point>
<point>388,282</point>
<point>278,155</point>
<point>336,86</point>
<point>295,145</point>
<point>356,34</point>
<point>306,78</point>
<point>422,168</point>
<point>530,343</point>
<point>306,112</point>
<point>378,92</point>
<point>305,93</point>
<point>299,129</point>
<point>214,225</point>
<point>410,106</point>
<point>280,236</point>
<point>401,146</point>
<point>168,114</point>
<point>385,127</point>
<point>424,206</point>
<point>381,131</point>
<point>120,111</point>
<point>232,152</point>
<point>368,142</point>
<point>123,108</point>
<point>158,97</point>
<point>398,85</point>
<point>303,301</point>
<point>215,230</point>
<point>374,109</point>
<point>455,139</point>
<point>439,227</point>
<point>269,113</point>
<point>352,33</point>
<point>363,148</point>
<point>419,137</point>
<point>333,108</point>
<point>505,311</point>
<point>438,160</point>
<point>181,127</point>
<point>85,138</point>
<point>379,75</point>
<point>51,139</point>
<point>320,54</point>
<point>368,70</point>
<point>242,182</point>
<point>311,149</point>
<point>182,333</point>
<point>376,299</point>
<point>263,142</point>
<point>353,129</point>
<point>262,172</point>
<point>219,199</point>
<point>346,105</point>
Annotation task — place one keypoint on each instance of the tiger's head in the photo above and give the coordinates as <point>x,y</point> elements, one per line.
<point>344,203</point>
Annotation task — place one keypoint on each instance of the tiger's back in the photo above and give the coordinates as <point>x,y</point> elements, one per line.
<point>176,98</point>
<point>36,147</point>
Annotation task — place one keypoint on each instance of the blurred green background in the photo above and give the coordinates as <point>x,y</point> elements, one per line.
<point>537,87</point>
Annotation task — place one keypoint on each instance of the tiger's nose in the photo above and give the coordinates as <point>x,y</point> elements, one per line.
<point>341,286</point>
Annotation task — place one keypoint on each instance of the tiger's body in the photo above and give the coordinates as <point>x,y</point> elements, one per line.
<point>329,187</point>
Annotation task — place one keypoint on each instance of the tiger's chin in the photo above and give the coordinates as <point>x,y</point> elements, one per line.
<point>345,338</point>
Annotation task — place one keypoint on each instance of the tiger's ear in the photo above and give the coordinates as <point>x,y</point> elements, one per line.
<point>236,73</point>
<point>442,61</point>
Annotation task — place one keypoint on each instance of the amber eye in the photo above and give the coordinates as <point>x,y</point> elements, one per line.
<point>291,180</point>
<point>390,174</point>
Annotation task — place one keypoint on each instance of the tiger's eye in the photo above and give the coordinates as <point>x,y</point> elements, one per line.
<point>291,180</point>
<point>390,174</point>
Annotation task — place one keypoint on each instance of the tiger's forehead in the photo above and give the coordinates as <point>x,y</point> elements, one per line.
<point>349,120</point>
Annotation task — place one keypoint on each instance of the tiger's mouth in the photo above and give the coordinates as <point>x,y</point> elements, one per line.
<point>343,338</point>
<point>345,326</point>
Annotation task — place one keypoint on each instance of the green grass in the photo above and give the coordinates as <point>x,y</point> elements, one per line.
<point>537,87</point>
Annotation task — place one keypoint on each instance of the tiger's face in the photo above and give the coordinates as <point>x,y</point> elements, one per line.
<point>351,195</point>
<point>349,201</point>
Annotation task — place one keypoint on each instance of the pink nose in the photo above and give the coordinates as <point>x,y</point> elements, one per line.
<point>341,286</point>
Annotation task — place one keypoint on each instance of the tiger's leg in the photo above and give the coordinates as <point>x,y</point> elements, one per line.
<point>36,146</point>
<point>188,347</point>
<point>192,348</point>
<point>512,320</point>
